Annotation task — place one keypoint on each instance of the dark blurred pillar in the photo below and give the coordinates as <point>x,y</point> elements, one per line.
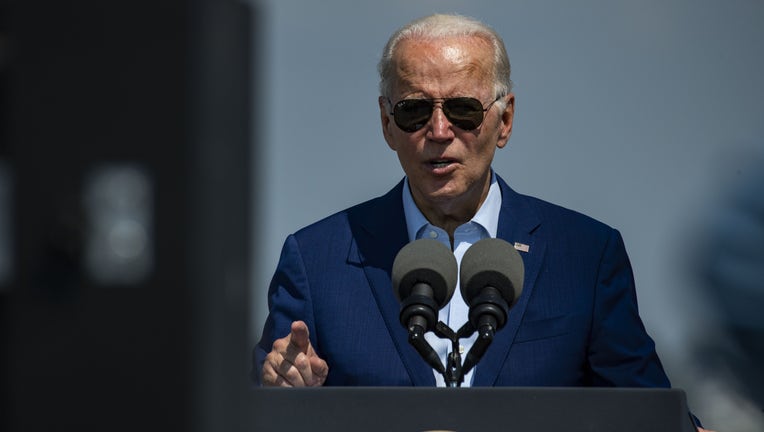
<point>161,89</point>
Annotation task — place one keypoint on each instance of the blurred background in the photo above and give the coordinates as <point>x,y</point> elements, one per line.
<point>153,157</point>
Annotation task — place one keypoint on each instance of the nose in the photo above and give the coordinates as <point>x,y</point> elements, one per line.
<point>440,126</point>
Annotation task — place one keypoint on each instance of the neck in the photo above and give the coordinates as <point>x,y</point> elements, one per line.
<point>450,213</point>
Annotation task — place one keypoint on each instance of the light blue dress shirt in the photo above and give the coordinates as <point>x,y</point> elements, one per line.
<point>483,225</point>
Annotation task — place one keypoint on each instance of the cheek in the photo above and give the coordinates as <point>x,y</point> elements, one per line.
<point>403,144</point>
<point>484,153</point>
<point>406,154</point>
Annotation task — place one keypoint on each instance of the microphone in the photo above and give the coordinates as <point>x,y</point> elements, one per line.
<point>424,279</point>
<point>491,281</point>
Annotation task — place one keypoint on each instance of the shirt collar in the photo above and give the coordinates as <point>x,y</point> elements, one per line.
<point>487,215</point>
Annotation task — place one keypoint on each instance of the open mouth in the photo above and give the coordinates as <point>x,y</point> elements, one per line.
<point>441,163</point>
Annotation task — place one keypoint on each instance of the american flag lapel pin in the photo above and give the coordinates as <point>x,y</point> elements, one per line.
<point>522,247</point>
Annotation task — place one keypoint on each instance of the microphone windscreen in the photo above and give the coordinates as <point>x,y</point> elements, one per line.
<point>492,262</point>
<point>425,261</point>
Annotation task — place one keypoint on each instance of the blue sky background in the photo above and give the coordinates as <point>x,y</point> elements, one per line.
<point>637,113</point>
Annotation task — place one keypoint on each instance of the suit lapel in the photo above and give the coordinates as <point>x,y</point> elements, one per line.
<point>379,233</point>
<point>517,223</point>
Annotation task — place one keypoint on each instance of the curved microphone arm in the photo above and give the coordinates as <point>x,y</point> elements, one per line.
<point>483,341</point>
<point>417,340</point>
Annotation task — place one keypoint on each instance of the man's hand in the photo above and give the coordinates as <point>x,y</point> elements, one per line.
<point>292,361</point>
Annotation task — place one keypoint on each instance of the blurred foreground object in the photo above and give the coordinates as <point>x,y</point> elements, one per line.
<point>730,263</point>
<point>125,183</point>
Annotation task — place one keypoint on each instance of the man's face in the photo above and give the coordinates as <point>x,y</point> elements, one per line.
<point>447,167</point>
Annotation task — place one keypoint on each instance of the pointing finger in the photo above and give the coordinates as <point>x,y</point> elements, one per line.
<point>300,337</point>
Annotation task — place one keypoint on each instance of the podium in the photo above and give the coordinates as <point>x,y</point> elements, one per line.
<point>523,409</point>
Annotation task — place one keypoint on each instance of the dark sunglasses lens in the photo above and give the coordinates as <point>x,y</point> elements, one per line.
<point>412,114</point>
<point>464,113</point>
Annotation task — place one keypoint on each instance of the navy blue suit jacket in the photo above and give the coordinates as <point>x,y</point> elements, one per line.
<point>575,324</point>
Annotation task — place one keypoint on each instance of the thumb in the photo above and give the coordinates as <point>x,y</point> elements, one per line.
<point>300,336</point>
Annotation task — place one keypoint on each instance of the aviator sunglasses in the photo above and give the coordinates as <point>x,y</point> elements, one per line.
<point>466,113</point>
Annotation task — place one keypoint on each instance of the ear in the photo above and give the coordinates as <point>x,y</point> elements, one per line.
<point>387,121</point>
<point>507,117</point>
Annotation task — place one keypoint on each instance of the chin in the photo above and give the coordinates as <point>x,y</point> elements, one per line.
<point>445,193</point>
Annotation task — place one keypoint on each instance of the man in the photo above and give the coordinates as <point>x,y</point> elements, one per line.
<point>446,105</point>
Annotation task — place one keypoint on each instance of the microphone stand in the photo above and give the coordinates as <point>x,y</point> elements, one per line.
<point>453,374</point>
<point>454,370</point>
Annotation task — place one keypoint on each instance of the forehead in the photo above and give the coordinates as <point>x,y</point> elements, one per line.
<point>444,66</point>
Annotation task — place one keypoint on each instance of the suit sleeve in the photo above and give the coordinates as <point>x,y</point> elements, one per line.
<point>288,300</point>
<point>621,353</point>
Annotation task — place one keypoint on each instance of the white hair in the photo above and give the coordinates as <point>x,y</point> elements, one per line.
<point>442,26</point>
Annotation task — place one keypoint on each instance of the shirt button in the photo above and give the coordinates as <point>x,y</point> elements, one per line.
<point>433,234</point>
<point>461,349</point>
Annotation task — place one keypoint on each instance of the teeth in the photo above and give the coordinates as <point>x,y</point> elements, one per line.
<point>440,163</point>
